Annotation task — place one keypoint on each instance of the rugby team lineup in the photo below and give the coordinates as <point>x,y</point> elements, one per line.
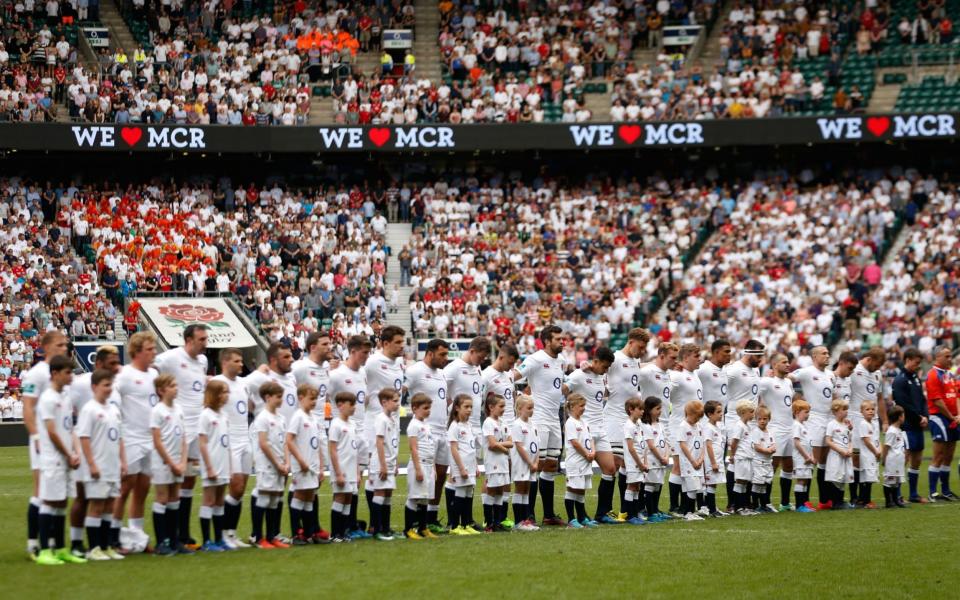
<point>702,419</point>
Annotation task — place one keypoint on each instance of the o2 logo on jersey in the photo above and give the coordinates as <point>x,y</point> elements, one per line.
<point>508,393</point>
<point>754,389</point>
<point>354,444</point>
<point>661,443</point>
<point>871,388</point>
<point>473,444</point>
<point>699,394</point>
<point>442,393</point>
<point>599,396</point>
<point>67,422</point>
<point>177,431</point>
<point>395,442</point>
<point>197,386</point>
<point>153,399</point>
<point>291,399</point>
<point>242,407</point>
<point>588,444</point>
<point>322,391</point>
<point>845,439</point>
<point>635,380</point>
<point>788,401</point>
<point>723,389</point>
<point>113,434</point>
<point>666,392</point>
<point>557,383</point>
<point>696,444</point>
<point>534,448</point>
<point>224,440</point>
<point>315,443</point>
<point>361,396</point>
<point>476,387</point>
<point>827,393</point>
<point>397,384</point>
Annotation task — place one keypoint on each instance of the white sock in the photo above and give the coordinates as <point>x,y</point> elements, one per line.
<point>136,523</point>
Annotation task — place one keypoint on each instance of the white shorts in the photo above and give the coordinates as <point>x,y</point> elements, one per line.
<point>839,469</point>
<point>270,480</point>
<point>375,483</point>
<point>193,447</point>
<point>783,440</point>
<point>691,484</point>
<point>601,443</point>
<point>614,429</point>
<point>304,480</point>
<point>551,440</point>
<point>348,487</point>
<point>478,442</point>
<point>457,481</point>
<point>101,490</point>
<point>743,469</point>
<point>656,475</point>
<point>762,472</point>
<point>520,471</point>
<point>241,459</point>
<point>580,482</point>
<point>56,485</point>
<point>712,477</point>
<point>207,482</point>
<point>421,490</point>
<point>138,457</point>
<point>442,457</point>
<point>496,480</point>
<point>635,476</point>
<point>817,427</point>
<point>802,471</point>
<point>162,475</point>
<point>363,452</point>
<point>870,474</point>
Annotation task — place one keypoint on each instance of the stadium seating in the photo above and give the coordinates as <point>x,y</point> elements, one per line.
<point>932,94</point>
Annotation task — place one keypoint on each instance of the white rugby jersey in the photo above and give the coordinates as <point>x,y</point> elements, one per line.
<point>344,435</point>
<point>623,383</point>
<point>309,439</point>
<point>462,434</point>
<point>761,438</point>
<point>495,462</point>
<point>305,371</point>
<point>389,429</point>
<point>421,379</point>
<point>55,406</point>
<point>463,378</point>
<point>715,437</point>
<point>817,389</point>
<point>381,372</point>
<point>544,375</point>
<point>275,427</point>
<point>138,396</point>
<point>287,381</point>
<point>426,443</point>
<point>34,383</point>
<point>743,383</point>
<point>191,376</point>
<point>693,436</point>
<point>217,429</point>
<point>841,387</point>
<point>633,431</point>
<point>345,379</point>
<point>777,395</point>
<point>526,436</point>
<point>81,392</point>
<point>168,420</point>
<point>686,388</point>
<point>741,433</point>
<point>864,385</point>
<point>100,423</point>
<point>655,438</point>
<point>800,432</point>
<point>593,387</point>
<point>577,430</point>
<point>236,410</point>
<point>500,383</point>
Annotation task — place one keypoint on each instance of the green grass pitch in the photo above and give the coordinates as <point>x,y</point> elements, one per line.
<point>849,554</point>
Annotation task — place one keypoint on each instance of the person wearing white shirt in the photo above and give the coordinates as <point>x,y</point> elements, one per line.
<point>816,386</point>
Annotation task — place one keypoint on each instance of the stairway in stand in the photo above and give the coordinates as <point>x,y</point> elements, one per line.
<point>398,235</point>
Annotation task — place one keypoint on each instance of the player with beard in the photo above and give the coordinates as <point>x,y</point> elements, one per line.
<point>842,379</point>
<point>743,383</point>
<point>776,393</point>
<point>655,382</point>
<point>686,388</point>
<point>498,380</point>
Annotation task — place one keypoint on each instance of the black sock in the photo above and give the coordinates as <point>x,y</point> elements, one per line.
<point>822,485</point>
<point>450,495</point>
<point>295,521</point>
<point>604,497</point>
<point>731,495</point>
<point>59,522</point>
<point>622,489</point>
<point>205,529</point>
<point>467,510</point>
<point>256,519</point>
<point>785,490</point>
<point>314,516</point>
<point>581,511</point>
<point>701,500</point>
<point>375,510</point>
<point>369,494</point>
<point>767,493</point>
<point>569,504</point>
<point>675,491</point>
<point>855,487</point>
<point>385,517</point>
<point>231,515</point>
<point>546,494</point>
<point>652,507</point>
<point>488,517</point>
<point>422,517</point>
<point>44,529</point>
<point>335,519</point>
<point>183,523</point>
<point>518,512</point>
<point>33,522</point>
<point>866,492</point>
<point>217,528</point>
<point>352,524</point>
<point>273,521</point>
<point>657,493</point>
<point>532,501</point>
<point>712,503</point>
<point>93,537</point>
<point>160,526</point>
<point>888,494</point>
<point>640,502</point>
<point>409,518</point>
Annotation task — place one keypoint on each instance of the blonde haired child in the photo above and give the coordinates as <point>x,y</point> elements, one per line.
<point>764,446</point>
<point>523,462</point>
<point>741,455</point>
<point>578,444</point>
<point>634,459</point>
<point>839,442</point>
<point>803,460</point>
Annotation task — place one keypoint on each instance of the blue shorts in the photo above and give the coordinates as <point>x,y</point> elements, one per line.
<point>940,430</point>
<point>914,439</point>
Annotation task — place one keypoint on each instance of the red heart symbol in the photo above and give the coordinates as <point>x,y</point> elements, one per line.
<point>878,125</point>
<point>629,133</point>
<point>131,135</point>
<point>379,136</point>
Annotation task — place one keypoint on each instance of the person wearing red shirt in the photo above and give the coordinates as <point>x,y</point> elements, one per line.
<point>941,388</point>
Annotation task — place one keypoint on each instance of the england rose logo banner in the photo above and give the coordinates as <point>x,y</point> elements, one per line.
<point>170,316</point>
